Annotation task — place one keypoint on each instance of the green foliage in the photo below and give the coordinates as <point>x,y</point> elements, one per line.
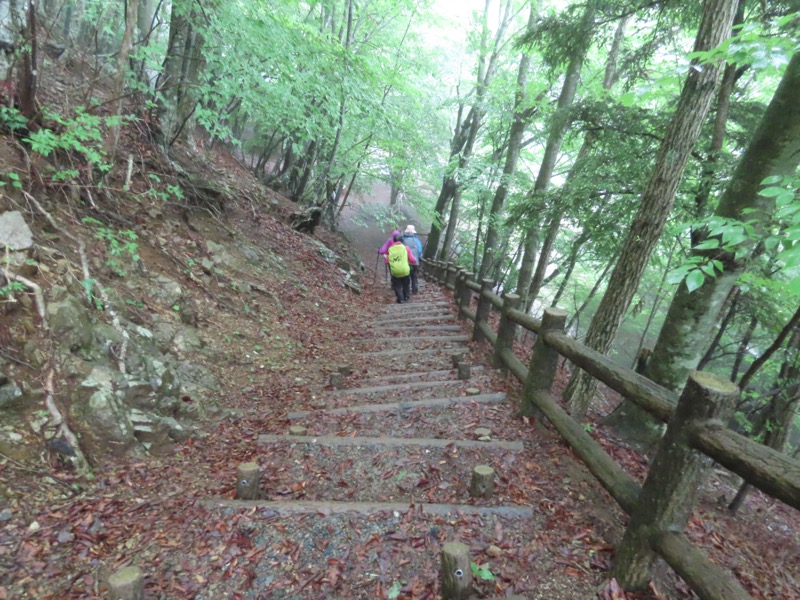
<point>120,245</point>
<point>11,288</point>
<point>82,134</point>
<point>778,234</point>
<point>481,571</point>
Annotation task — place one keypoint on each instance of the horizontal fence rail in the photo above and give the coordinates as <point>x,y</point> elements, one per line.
<point>660,508</point>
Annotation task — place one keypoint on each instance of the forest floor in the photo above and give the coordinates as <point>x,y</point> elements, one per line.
<point>168,514</point>
<point>174,515</point>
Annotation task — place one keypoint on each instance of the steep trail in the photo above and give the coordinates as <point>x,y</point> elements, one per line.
<point>360,503</point>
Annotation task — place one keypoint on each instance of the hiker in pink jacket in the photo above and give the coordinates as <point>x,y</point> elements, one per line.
<point>385,248</point>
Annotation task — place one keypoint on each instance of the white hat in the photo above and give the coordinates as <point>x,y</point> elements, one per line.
<point>410,229</point>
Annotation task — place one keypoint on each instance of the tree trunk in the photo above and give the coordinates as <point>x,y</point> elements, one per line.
<point>28,72</point>
<point>730,312</point>
<point>518,125</point>
<point>179,76</point>
<point>123,68</point>
<point>466,133</point>
<point>450,232</point>
<point>572,260</point>
<point>742,350</point>
<point>555,137</point>
<point>658,196</point>
<point>773,150</point>
<point>719,130</point>
<point>782,411</point>
<point>574,318</point>
<point>578,167</point>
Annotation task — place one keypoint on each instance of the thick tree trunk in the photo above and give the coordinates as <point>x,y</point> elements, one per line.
<point>773,150</point>
<point>27,80</point>
<point>721,114</point>
<point>658,196</point>
<point>179,76</point>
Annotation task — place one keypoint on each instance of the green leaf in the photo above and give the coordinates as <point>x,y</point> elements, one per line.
<point>708,244</point>
<point>694,280</point>
<point>772,192</point>
<point>394,592</point>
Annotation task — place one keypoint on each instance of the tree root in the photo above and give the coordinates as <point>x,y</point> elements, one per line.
<point>86,278</point>
<point>81,464</point>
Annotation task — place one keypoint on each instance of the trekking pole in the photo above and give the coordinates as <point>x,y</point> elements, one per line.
<point>375,272</point>
<point>386,271</point>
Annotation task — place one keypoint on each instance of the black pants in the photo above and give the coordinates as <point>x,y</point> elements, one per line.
<point>401,285</point>
<point>413,276</point>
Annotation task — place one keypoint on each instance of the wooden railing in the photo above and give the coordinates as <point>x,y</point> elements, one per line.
<point>661,507</point>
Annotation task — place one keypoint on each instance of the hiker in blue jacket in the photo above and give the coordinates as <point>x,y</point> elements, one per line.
<point>411,241</point>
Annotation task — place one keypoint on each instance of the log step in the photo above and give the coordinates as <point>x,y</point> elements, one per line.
<point>368,508</point>
<point>386,379</point>
<point>396,387</point>
<point>415,351</point>
<point>421,338</point>
<point>420,328</point>
<point>406,320</point>
<point>387,442</point>
<point>399,406</point>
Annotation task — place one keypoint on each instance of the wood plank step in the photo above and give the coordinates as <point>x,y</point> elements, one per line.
<point>416,351</point>
<point>415,385</point>
<point>401,307</point>
<point>419,328</point>
<point>383,323</point>
<point>388,442</point>
<point>398,406</point>
<point>421,338</point>
<point>386,379</point>
<point>367,508</point>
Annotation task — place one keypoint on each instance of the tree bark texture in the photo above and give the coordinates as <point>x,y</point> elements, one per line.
<point>658,196</point>
<point>773,150</point>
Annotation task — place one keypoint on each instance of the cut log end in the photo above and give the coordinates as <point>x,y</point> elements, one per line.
<point>247,481</point>
<point>464,371</point>
<point>482,484</point>
<point>298,430</point>
<point>126,584</point>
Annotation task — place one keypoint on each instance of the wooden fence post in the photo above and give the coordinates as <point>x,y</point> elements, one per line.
<point>544,360</point>
<point>465,295</point>
<point>439,272</point>
<point>482,312</point>
<point>673,482</point>
<point>459,282</point>
<point>506,331</point>
<point>452,273</point>
<point>456,571</point>
<point>247,479</point>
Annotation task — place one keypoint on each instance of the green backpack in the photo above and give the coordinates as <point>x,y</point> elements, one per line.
<point>398,261</point>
